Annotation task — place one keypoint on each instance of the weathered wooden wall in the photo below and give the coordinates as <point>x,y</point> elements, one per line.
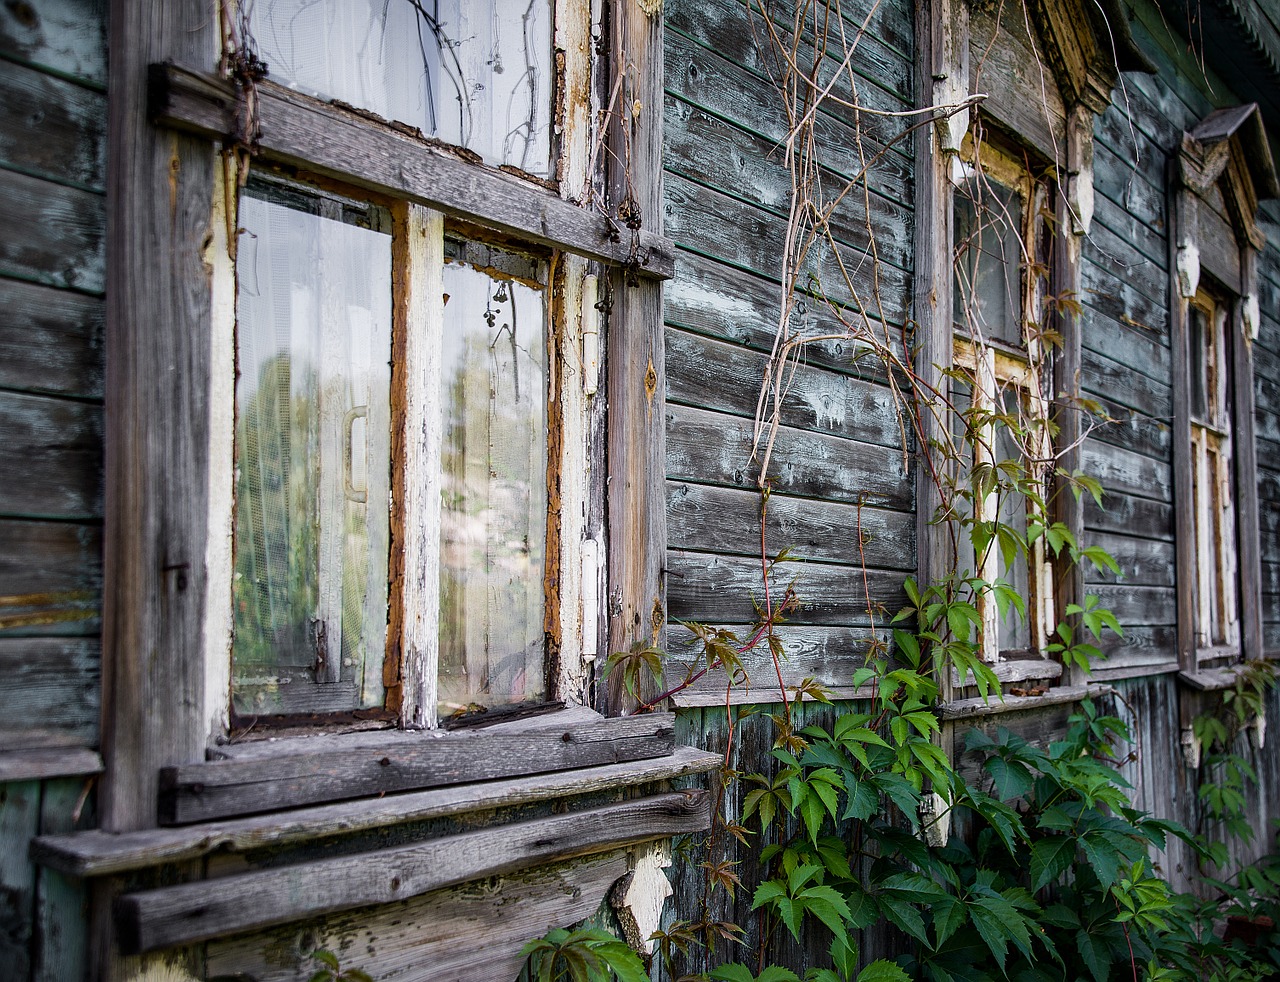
<point>52,174</point>
<point>838,466</point>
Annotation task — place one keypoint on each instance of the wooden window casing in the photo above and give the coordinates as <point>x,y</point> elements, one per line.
<point>998,360</point>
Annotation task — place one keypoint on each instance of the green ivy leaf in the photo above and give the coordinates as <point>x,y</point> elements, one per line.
<point>1050,858</point>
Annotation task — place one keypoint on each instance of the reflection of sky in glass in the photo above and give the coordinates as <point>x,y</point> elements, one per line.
<point>493,488</point>
<point>473,74</point>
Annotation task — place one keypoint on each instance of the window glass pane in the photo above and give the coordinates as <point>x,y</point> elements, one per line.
<point>473,74</point>
<point>313,346</point>
<point>1201,337</point>
<point>1014,631</point>
<point>989,254</point>
<point>494,493</point>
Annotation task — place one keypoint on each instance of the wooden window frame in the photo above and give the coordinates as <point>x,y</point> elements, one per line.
<point>992,368</point>
<point>162,703</point>
<point>1216,177</point>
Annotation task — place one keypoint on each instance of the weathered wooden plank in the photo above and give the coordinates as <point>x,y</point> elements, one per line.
<point>636,358</point>
<point>1142,243</point>
<point>725,27</point>
<point>727,520</point>
<point>1142,562</point>
<point>51,693</point>
<point>334,142</point>
<point>52,233</point>
<point>978,708</point>
<point>1130,515</point>
<point>716,225</point>
<point>1128,168</point>
<point>50,577</point>
<point>470,933</point>
<point>1128,472</point>
<point>1143,351</point>
<point>712,447</point>
<point>713,298</point>
<point>68,36</point>
<point>1219,249</point>
<point>1138,606</point>
<point>19,822</point>
<point>1007,65</point>
<point>159,918</point>
<point>709,588</point>
<point>52,128</point>
<point>61,922</point>
<point>331,769</point>
<point>40,763</point>
<point>1142,649</point>
<point>828,654</point>
<point>50,340</point>
<point>709,150</point>
<point>1119,381</point>
<point>1106,289</point>
<point>97,853</point>
<point>158,372</point>
<point>699,76</point>
<point>56,445</point>
<point>728,378</point>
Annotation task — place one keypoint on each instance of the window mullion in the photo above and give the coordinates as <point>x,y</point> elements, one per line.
<point>417,411</point>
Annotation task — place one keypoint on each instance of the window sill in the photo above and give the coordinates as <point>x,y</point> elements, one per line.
<point>1211,679</point>
<point>979,708</point>
<point>1021,670</point>
<point>98,853</point>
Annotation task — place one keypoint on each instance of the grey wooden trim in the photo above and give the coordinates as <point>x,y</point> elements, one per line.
<point>1210,679</point>
<point>976,708</point>
<point>1023,670</point>
<point>1245,452</point>
<point>160,189</point>
<point>362,765</point>
<point>368,153</point>
<point>98,853</point>
<point>36,765</point>
<point>932,299</point>
<point>636,353</point>
<point>1183,511</point>
<point>169,916</point>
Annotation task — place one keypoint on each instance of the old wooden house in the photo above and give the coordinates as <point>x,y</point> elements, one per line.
<point>304,631</point>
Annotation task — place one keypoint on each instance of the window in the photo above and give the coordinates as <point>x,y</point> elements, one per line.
<point>314,463</point>
<point>398,421</point>
<point>1001,430</point>
<point>1217,627</point>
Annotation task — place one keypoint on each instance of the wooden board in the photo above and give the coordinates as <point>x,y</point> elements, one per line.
<point>728,378</point>
<point>61,921</point>
<point>19,821</point>
<point>67,36</point>
<point>360,150</point>
<point>97,853</point>
<point>52,233</point>
<point>362,765</point>
<point>709,588</point>
<point>52,128</point>
<point>50,340</point>
<point>50,578</point>
<point>163,917</point>
<point>470,933</point>
<point>715,448</point>
<point>51,693</point>
<point>707,518</point>
<point>56,444</point>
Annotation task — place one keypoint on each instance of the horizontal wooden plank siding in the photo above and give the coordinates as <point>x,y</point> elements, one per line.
<point>50,697</point>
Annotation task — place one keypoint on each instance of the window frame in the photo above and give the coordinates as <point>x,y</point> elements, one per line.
<point>1216,177</point>
<point>164,697</point>
<point>992,368</point>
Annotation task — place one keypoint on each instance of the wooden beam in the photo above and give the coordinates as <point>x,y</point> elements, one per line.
<point>635,350</point>
<point>33,765</point>
<point>1245,452</point>
<point>169,916</point>
<point>98,853</point>
<point>367,152</point>
<point>335,768</point>
<point>160,185</point>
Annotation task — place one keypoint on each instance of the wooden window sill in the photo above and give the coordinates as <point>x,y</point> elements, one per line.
<point>99,853</point>
<point>272,775</point>
<point>1211,679</point>
<point>1021,670</point>
<point>979,708</point>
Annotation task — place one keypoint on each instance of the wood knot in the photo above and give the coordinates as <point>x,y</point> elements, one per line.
<point>650,382</point>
